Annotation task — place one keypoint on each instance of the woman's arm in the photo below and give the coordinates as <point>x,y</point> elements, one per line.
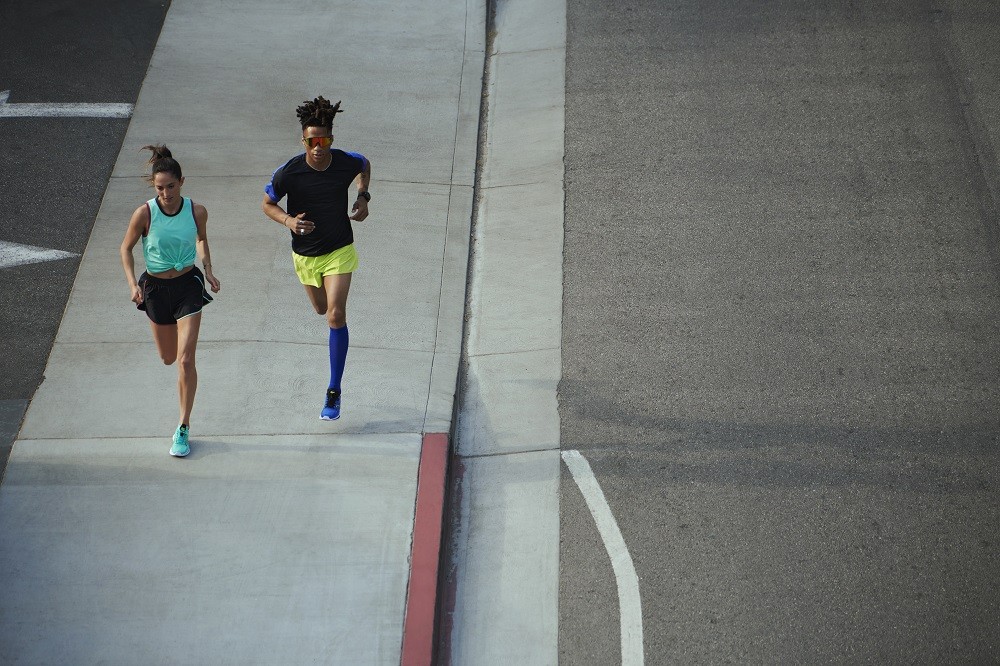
<point>136,226</point>
<point>204,253</point>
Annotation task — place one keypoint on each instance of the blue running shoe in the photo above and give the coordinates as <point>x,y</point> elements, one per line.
<point>181,447</point>
<point>332,410</point>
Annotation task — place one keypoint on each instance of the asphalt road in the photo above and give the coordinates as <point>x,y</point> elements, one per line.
<point>781,338</point>
<point>53,171</point>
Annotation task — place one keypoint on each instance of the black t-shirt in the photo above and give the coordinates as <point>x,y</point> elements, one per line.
<point>322,196</point>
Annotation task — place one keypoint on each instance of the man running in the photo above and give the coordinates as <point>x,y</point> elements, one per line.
<point>317,183</point>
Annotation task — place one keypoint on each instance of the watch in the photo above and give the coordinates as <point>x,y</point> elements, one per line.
<point>366,195</point>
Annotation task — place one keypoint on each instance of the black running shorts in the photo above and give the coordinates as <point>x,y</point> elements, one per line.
<point>167,300</point>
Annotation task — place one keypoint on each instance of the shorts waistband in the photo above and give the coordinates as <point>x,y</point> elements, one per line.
<point>194,272</point>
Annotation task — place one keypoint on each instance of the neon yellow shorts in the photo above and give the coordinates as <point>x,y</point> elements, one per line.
<point>312,269</point>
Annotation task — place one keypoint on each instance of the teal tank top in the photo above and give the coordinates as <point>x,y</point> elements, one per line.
<point>171,240</point>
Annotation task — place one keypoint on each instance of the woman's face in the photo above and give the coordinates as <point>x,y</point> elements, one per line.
<point>167,187</point>
<point>317,141</point>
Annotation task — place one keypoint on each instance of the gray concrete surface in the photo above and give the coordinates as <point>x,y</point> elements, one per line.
<point>503,552</point>
<point>253,551</point>
<point>781,329</point>
<point>281,539</point>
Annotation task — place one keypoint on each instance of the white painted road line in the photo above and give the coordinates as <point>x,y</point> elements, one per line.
<point>62,110</point>
<point>629,604</point>
<point>15,254</point>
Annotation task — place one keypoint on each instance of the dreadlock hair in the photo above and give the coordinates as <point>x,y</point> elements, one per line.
<point>318,113</point>
<point>162,161</point>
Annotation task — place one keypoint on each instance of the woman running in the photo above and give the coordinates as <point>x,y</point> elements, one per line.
<point>172,289</point>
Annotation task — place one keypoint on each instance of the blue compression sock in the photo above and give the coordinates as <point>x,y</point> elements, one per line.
<point>339,340</point>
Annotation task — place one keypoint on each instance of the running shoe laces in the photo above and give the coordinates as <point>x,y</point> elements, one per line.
<point>331,412</point>
<point>180,446</point>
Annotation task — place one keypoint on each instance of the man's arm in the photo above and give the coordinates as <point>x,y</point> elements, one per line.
<point>298,224</point>
<point>365,177</point>
<point>359,210</point>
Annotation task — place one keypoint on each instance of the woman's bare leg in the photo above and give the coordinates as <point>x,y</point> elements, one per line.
<point>187,373</point>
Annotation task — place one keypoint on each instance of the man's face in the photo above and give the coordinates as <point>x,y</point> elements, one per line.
<point>317,141</point>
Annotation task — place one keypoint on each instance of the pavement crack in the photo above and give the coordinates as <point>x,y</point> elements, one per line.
<point>501,454</point>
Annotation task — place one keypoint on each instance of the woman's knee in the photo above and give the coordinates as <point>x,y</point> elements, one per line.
<point>168,359</point>
<point>186,362</point>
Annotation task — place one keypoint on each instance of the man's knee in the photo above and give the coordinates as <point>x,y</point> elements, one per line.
<point>336,317</point>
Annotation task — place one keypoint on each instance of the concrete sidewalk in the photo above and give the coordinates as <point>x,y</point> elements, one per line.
<point>281,538</point>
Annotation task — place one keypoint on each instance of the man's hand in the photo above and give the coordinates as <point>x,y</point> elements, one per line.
<point>300,225</point>
<point>359,210</point>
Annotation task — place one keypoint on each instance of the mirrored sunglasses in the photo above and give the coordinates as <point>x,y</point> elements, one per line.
<point>321,141</point>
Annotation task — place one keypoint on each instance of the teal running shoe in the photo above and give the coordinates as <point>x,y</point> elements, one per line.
<point>181,447</point>
<point>331,412</point>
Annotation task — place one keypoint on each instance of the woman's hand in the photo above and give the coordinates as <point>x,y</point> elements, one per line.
<point>136,294</point>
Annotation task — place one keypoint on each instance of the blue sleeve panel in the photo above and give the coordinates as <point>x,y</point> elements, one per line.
<point>364,160</point>
<point>273,189</point>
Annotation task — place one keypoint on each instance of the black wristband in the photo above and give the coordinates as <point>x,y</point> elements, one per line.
<point>365,195</point>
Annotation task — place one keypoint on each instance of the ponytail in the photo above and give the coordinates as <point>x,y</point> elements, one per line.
<point>163,162</point>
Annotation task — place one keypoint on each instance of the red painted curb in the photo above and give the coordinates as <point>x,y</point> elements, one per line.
<point>421,593</point>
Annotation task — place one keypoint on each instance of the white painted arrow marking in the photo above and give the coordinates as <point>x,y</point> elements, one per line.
<point>15,254</point>
<point>33,110</point>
